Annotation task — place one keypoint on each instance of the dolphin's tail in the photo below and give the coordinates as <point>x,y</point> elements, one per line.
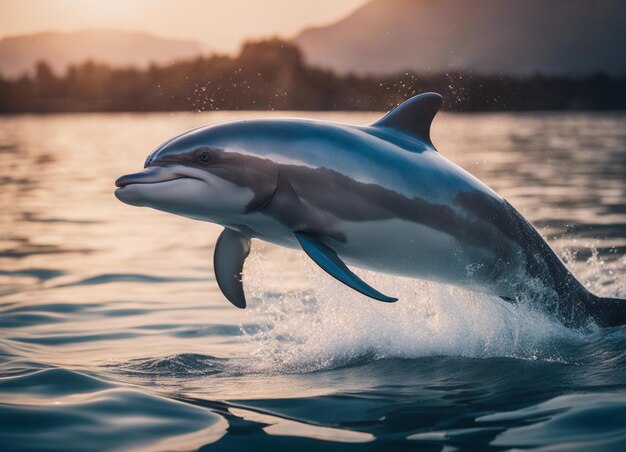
<point>607,311</point>
<point>577,304</point>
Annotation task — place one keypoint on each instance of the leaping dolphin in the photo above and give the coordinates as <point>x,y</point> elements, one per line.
<point>379,197</point>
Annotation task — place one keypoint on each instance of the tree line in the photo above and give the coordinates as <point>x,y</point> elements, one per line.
<point>273,75</point>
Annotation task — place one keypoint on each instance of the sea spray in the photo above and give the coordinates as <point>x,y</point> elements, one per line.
<point>329,325</point>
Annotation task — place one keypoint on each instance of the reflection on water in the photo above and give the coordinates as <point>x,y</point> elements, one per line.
<point>114,334</point>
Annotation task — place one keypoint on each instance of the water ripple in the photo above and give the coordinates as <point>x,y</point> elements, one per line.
<point>66,410</point>
<point>180,365</point>
<point>126,277</point>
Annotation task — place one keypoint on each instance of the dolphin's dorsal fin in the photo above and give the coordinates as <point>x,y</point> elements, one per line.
<point>414,116</point>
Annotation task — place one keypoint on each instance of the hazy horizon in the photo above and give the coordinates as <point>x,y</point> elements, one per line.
<point>190,56</point>
<point>164,18</point>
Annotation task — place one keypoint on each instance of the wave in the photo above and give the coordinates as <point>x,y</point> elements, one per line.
<point>42,274</point>
<point>126,277</point>
<point>67,410</point>
<point>180,365</point>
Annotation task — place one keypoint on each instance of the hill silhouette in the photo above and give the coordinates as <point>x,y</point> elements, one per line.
<point>115,48</point>
<point>514,37</point>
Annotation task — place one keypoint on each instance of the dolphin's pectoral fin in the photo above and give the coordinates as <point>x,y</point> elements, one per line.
<point>231,251</point>
<point>334,266</point>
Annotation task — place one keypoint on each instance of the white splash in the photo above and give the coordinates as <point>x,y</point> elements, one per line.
<point>330,325</point>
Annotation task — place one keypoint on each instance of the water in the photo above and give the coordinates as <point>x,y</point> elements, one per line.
<point>113,334</point>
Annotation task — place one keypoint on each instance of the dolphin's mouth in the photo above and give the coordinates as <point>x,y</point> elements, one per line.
<point>150,175</point>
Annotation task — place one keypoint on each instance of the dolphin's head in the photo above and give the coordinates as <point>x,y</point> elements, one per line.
<point>201,175</point>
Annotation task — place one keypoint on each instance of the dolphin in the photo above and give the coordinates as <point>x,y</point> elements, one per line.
<point>379,197</point>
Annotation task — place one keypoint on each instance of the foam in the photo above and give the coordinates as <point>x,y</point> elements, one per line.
<point>330,325</point>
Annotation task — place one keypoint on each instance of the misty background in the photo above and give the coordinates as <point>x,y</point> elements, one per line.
<point>482,55</point>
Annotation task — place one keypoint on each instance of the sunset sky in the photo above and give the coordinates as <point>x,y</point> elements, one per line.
<point>220,25</point>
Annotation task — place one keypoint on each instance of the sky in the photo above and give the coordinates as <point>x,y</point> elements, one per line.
<point>220,25</point>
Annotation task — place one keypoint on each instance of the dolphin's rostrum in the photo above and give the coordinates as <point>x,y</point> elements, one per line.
<point>378,197</point>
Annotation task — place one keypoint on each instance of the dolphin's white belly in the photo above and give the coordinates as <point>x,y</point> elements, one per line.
<point>268,229</point>
<point>393,246</point>
<point>409,249</point>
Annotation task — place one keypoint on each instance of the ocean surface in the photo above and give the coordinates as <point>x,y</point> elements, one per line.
<point>114,336</point>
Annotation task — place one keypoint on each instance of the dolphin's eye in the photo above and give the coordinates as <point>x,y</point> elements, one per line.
<point>204,156</point>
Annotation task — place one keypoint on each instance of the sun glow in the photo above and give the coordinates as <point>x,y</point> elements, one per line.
<point>216,24</point>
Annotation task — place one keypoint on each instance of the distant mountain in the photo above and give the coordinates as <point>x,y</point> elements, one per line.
<point>513,37</point>
<point>19,54</point>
